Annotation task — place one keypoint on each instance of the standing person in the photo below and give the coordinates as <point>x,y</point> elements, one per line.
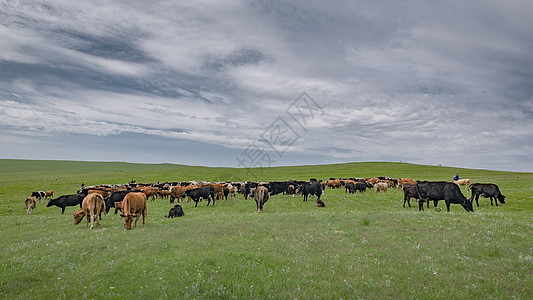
<point>456,177</point>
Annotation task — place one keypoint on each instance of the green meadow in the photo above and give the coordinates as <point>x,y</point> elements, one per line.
<point>363,245</point>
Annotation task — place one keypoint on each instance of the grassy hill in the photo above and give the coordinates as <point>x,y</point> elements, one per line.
<point>363,245</point>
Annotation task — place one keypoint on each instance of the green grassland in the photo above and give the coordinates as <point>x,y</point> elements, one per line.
<point>359,246</point>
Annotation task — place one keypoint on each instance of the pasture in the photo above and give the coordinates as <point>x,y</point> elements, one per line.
<point>359,246</point>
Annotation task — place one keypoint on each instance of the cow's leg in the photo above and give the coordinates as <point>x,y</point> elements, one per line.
<point>434,203</point>
<point>63,209</point>
<point>195,203</point>
<point>447,205</point>
<point>318,196</point>
<point>495,200</point>
<point>421,205</point>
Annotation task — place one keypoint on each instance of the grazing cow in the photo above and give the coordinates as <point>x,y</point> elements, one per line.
<point>381,186</point>
<point>487,190</point>
<point>39,195</point>
<point>29,204</point>
<point>261,197</point>
<point>206,192</point>
<point>310,188</point>
<point>176,211</point>
<point>409,191</point>
<point>291,190</point>
<point>114,198</point>
<point>66,200</point>
<point>91,206</point>
<point>465,182</point>
<point>134,205</point>
<point>447,191</point>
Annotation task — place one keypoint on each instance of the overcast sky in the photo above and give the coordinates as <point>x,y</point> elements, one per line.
<point>250,83</point>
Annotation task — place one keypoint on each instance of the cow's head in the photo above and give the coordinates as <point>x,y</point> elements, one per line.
<point>128,219</point>
<point>501,198</point>
<point>51,202</point>
<point>467,205</point>
<point>78,216</point>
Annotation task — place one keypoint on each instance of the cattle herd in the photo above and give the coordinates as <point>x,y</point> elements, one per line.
<point>131,199</point>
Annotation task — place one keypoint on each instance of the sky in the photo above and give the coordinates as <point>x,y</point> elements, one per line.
<point>268,83</point>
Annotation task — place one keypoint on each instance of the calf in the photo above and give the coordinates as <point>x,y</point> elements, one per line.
<point>48,194</point>
<point>91,206</point>
<point>261,197</point>
<point>66,200</point>
<point>29,205</point>
<point>487,190</point>
<point>381,186</point>
<point>176,211</point>
<point>319,203</point>
<point>134,205</point>
<point>206,192</point>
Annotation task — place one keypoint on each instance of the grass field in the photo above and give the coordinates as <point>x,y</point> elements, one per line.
<point>358,246</point>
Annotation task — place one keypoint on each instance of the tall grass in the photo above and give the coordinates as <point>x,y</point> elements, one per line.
<point>358,246</point>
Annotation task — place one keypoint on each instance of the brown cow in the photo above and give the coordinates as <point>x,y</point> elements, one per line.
<point>261,197</point>
<point>48,194</point>
<point>102,192</point>
<point>29,205</point>
<point>91,206</point>
<point>149,191</point>
<point>219,190</point>
<point>403,181</point>
<point>134,204</point>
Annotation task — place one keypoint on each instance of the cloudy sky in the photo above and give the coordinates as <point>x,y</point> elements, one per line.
<point>250,83</point>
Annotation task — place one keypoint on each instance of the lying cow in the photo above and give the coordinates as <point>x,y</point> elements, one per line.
<point>487,190</point>
<point>92,206</point>
<point>66,200</point>
<point>176,211</point>
<point>206,192</point>
<point>134,205</point>
<point>447,191</point>
<point>261,197</point>
<point>29,205</point>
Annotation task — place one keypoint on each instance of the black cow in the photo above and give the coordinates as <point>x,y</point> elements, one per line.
<point>278,187</point>
<point>247,187</point>
<point>353,187</point>
<point>115,197</point>
<point>39,195</point>
<point>441,190</point>
<point>410,191</point>
<point>487,190</point>
<point>66,200</point>
<point>311,188</point>
<point>206,192</point>
<point>176,211</point>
